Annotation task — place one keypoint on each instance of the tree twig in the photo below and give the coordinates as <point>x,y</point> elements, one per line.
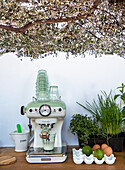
<point>24,28</point>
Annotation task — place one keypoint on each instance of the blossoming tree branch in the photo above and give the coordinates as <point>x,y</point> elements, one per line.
<point>37,28</point>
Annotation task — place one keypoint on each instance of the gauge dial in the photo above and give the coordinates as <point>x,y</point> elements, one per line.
<point>45,110</point>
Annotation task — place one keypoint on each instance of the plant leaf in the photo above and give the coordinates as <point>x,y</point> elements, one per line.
<point>115,97</point>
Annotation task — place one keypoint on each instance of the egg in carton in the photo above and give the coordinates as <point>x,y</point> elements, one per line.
<point>79,158</point>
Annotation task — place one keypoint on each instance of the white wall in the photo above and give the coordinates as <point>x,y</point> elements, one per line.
<point>78,79</point>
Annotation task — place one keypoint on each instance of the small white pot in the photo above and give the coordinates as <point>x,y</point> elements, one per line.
<point>21,140</point>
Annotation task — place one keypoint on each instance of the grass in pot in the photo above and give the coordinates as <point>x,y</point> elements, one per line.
<point>107,113</point>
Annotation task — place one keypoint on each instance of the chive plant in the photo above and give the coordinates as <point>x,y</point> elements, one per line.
<point>107,112</point>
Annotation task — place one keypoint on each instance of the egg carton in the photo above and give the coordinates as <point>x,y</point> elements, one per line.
<point>79,158</point>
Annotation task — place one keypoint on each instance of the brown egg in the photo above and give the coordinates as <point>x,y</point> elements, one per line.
<point>108,151</point>
<point>96,146</point>
<point>103,146</point>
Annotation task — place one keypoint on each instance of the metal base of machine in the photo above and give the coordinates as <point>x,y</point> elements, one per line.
<point>38,155</point>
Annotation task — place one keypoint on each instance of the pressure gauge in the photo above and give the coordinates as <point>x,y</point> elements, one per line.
<point>45,110</point>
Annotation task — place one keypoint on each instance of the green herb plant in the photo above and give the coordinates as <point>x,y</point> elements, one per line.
<point>84,126</point>
<point>107,112</point>
<point>121,95</point>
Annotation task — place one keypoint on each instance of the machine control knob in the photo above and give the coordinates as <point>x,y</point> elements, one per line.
<point>22,110</point>
<point>30,110</point>
<point>54,110</point>
<point>60,109</point>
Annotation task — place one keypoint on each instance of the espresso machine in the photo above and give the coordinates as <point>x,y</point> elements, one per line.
<point>46,114</point>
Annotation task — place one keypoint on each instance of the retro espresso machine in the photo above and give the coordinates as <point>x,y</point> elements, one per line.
<point>46,114</point>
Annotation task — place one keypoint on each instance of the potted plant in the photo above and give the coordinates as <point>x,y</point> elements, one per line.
<point>122,97</point>
<point>84,126</point>
<point>109,115</point>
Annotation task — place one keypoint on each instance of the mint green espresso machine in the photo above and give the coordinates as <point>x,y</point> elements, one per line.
<point>46,113</point>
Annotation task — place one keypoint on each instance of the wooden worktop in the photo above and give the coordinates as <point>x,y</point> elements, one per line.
<point>21,163</point>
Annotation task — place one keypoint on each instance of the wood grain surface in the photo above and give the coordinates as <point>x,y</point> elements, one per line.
<point>21,163</point>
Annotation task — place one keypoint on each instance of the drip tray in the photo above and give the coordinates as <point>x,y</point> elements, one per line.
<point>38,155</point>
<point>58,151</point>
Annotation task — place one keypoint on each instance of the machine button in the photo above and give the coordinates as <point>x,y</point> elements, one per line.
<point>36,110</point>
<point>30,110</point>
<point>60,109</point>
<point>54,110</point>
